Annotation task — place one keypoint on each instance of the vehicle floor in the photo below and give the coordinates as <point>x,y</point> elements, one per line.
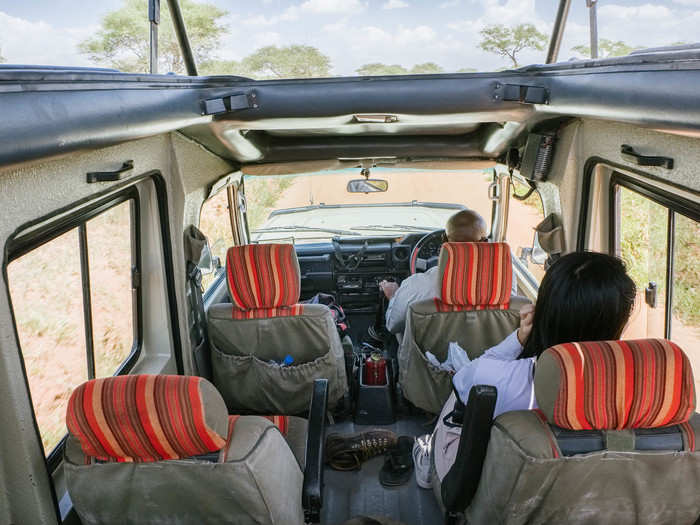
<point>359,493</point>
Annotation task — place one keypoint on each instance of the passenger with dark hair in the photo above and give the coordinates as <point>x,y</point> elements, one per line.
<point>584,296</point>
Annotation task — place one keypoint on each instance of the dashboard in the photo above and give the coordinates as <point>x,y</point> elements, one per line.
<point>351,269</point>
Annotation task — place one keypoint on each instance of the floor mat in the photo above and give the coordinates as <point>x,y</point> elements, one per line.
<point>359,493</point>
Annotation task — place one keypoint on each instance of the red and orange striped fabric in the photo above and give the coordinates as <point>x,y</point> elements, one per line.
<point>474,276</point>
<point>141,418</point>
<point>263,276</point>
<point>265,313</point>
<point>646,383</point>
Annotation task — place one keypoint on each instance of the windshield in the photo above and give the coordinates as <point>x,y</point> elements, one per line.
<point>325,38</point>
<point>318,207</point>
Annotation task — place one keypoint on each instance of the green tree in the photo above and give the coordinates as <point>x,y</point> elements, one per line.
<point>467,70</point>
<point>509,41</point>
<point>123,39</point>
<point>293,61</point>
<point>607,48</point>
<point>427,68</point>
<point>377,69</point>
<point>223,67</point>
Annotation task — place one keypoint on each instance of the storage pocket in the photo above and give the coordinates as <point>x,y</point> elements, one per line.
<point>251,385</point>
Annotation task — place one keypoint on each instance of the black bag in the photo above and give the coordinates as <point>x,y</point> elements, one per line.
<point>341,320</point>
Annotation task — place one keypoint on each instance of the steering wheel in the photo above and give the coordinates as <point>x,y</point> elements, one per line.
<point>426,252</point>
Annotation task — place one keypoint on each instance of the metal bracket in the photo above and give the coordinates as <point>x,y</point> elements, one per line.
<point>522,94</point>
<point>647,160</point>
<point>110,176</point>
<point>230,103</point>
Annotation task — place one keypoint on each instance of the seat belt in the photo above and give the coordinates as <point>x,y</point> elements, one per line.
<point>198,326</point>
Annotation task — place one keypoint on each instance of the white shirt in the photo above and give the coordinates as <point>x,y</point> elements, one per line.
<point>499,367</point>
<point>417,287</point>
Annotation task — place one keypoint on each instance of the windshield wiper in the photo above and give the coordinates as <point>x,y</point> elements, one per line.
<point>394,227</point>
<point>302,229</point>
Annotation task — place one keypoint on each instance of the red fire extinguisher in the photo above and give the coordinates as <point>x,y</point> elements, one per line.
<point>375,370</point>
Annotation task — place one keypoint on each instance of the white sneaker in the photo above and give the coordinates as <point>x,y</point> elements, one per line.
<point>421,461</point>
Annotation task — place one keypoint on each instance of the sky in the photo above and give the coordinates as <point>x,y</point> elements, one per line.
<point>356,32</point>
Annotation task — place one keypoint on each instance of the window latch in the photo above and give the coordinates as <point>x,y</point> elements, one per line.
<point>110,176</point>
<point>650,294</point>
<point>647,160</point>
<point>135,277</point>
<point>230,103</point>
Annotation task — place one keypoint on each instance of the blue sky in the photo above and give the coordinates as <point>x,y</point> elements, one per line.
<point>355,32</point>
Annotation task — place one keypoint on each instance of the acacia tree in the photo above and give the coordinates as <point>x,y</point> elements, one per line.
<point>509,41</point>
<point>607,48</point>
<point>377,68</point>
<point>293,61</point>
<point>123,39</point>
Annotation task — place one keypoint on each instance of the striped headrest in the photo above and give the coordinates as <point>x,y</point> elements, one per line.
<point>475,274</point>
<point>263,276</point>
<point>147,418</point>
<point>614,385</point>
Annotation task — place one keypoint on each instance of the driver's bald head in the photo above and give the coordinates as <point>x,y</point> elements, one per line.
<point>466,226</point>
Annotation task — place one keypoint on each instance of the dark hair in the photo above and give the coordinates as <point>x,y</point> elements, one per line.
<point>584,296</point>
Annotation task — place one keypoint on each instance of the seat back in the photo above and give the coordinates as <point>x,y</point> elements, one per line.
<point>263,324</point>
<point>162,449</point>
<point>613,441</point>
<point>474,308</point>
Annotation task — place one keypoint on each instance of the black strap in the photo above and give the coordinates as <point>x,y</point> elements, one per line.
<point>198,325</point>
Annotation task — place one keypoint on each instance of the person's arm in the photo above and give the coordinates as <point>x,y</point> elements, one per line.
<point>398,308</point>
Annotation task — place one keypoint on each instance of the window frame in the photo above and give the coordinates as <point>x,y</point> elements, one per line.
<point>19,246</point>
<point>675,204</point>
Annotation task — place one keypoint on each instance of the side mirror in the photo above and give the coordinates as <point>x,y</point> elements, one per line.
<point>367,185</point>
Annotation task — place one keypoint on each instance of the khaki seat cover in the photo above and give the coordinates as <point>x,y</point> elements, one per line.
<point>475,309</point>
<point>611,386</point>
<point>241,350</point>
<point>265,323</point>
<point>127,458</point>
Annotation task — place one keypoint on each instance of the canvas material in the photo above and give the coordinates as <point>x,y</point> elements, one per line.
<point>194,243</point>
<point>474,275</point>
<point>241,351</point>
<point>427,329</point>
<point>147,417</point>
<point>522,482</point>
<point>617,385</point>
<point>550,234</point>
<point>263,276</point>
<point>260,483</point>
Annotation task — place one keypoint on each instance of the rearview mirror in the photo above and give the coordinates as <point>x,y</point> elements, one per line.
<point>367,185</point>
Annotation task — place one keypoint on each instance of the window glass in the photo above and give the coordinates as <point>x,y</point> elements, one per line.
<point>46,291</point>
<point>523,216</point>
<point>215,223</point>
<point>642,243</point>
<point>316,207</point>
<point>685,322</point>
<point>110,256</point>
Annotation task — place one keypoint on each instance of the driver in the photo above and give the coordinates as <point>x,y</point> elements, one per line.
<point>463,226</point>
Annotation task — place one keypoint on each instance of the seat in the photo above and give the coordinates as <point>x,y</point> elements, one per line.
<point>614,441</point>
<point>475,309</point>
<point>251,336</point>
<point>163,449</point>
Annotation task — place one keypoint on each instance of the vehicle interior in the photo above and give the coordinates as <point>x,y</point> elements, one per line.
<point>174,187</point>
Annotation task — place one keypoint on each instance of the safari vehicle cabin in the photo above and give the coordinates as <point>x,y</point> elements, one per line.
<point>168,232</point>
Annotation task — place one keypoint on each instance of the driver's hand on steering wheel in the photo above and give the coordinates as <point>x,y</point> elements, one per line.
<point>389,288</point>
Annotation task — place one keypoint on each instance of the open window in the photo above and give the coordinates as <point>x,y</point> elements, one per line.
<point>76,304</point>
<point>656,234</point>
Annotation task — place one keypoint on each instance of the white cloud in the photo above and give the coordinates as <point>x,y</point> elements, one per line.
<point>395,4</point>
<point>288,15</point>
<point>634,13</point>
<point>449,3</point>
<point>333,6</point>
<point>689,3</point>
<point>267,38</point>
<point>37,42</point>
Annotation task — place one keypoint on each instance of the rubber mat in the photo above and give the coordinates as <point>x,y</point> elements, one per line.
<point>359,493</point>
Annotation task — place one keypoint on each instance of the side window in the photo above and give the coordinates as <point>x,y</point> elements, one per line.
<point>66,336</point>
<point>649,237</point>
<point>215,223</point>
<point>523,216</point>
